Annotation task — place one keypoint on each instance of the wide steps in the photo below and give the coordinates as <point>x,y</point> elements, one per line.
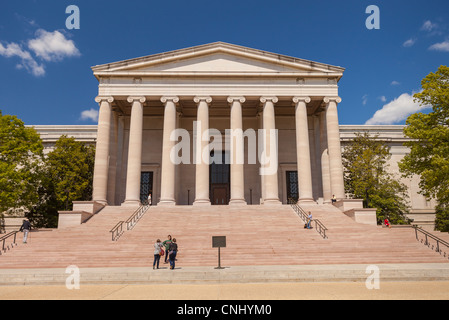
<point>256,235</point>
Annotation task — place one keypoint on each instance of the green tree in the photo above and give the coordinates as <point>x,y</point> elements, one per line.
<point>21,159</point>
<point>429,143</point>
<point>365,162</point>
<point>70,167</point>
<point>68,176</point>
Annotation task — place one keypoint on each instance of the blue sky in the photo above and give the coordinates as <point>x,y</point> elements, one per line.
<point>45,75</point>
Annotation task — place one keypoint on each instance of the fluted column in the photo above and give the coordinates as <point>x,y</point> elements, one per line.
<point>270,167</point>
<point>101,167</point>
<point>334,147</point>
<point>237,152</point>
<point>134,152</point>
<point>325,176</point>
<point>201,146</point>
<point>113,149</point>
<point>168,166</point>
<point>303,150</point>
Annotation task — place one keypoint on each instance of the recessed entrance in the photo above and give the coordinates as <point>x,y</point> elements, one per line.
<point>219,181</point>
<point>146,186</point>
<point>292,186</point>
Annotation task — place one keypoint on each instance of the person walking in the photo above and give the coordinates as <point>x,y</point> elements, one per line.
<point>26,227</point>
<point>309,220</point>
<point>166,244</point>
<point>173,250</point>
<point>157,253</point>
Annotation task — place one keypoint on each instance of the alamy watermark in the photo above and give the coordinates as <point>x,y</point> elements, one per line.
<point>73,20</point>
<point>262,147</point>
<point>373,279</point>
<point>373,20</point>
<point>73,280</point>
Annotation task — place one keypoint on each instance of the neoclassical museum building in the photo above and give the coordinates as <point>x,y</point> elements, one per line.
<point>221,124</point>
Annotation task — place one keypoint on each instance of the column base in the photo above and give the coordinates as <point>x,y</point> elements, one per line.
<point>167,203</point>
<point>307,201</point>
<point>272,202</point>
<point>237,202</point>
<point>202,202</point>
<point>131,203</point>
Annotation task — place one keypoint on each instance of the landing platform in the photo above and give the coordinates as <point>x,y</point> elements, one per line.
<point>236,274</point>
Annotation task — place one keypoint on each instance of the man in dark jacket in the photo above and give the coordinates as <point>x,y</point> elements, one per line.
<point>26,227</point>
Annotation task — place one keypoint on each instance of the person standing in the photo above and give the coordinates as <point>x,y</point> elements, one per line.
<point>166,244</point>
<point>149,199</point>
<point>173,250</point>
<point>26,227</point>
<point>157,253</point>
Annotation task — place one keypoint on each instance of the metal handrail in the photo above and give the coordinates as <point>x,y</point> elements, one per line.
<point>135,217</point>
<point>319,226</point>
<point>117,231</point>
<point>438,242</point>
<point>5,237</point>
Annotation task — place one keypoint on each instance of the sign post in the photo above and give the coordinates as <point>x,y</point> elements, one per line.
<point>219,242</point>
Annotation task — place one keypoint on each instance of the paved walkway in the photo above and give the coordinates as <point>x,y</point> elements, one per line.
<point>406,290</point>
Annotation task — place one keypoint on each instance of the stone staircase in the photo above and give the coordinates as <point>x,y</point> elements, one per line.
<point>256,235</point>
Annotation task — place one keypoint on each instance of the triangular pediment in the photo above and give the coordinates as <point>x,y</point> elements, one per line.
<point>216,58</point>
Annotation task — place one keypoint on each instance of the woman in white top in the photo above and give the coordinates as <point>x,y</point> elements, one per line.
<point>157,252</point>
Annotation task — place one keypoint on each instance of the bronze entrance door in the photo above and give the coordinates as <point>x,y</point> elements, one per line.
<point>220,194</point>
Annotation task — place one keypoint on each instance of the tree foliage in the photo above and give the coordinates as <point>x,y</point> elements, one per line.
<point>365,162</point>
<point>429,141</point>
<point>21,158</point>
<point>68,177</point>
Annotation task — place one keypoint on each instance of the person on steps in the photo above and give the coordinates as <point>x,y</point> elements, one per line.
<point>309,220</point>
<point>26,227</point>
<point>157,253</point>
<point>166,244</point>
<point>173,249</point>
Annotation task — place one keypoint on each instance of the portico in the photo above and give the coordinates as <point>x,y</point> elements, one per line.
<point>204,91</point>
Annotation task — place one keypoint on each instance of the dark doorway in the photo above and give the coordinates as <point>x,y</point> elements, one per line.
<point>146,186</point>
<point>292,186</point>
<point>219,181</point>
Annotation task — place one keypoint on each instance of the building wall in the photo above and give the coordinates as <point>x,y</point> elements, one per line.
<point>422,210</point>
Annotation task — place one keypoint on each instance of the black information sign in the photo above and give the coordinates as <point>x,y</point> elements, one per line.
<point>219,242</point>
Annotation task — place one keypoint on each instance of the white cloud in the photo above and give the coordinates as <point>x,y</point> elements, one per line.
<point>397,110</point>
<point>428,26</point>
<point>442,46</point>
<point>48,46</point>
<point>52,46</point>
<point>383,98</point>
<point>28,62</point>
<point>409,43</point>
<point>91,115</point>
<point>395,83</point>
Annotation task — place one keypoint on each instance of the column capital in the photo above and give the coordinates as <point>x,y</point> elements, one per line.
<point>241,99</point>
<point>197,99</point>
<point>132,99</point>
<point>269,98</point>
<point>99,99</point>
<point>297,99</point>
<point>329,99</point>
<point>164,99</point>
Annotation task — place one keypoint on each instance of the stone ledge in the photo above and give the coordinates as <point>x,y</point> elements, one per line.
<point>72,218</point>
<point>238,274</point>
<point>363,215</point>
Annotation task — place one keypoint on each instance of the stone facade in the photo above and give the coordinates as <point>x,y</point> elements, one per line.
<point>149,105</point>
